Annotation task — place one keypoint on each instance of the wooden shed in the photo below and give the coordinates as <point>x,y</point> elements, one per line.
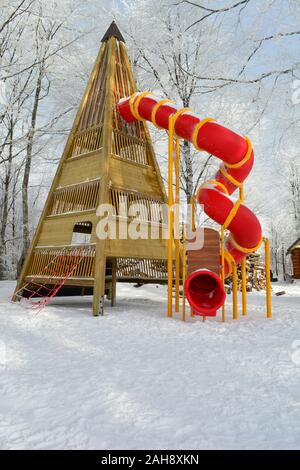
<point>294,251</point>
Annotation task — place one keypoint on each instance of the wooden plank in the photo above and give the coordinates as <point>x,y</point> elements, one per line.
<point>156,249</point>
<point>69,282</point>
<point>58,230</point>
<point>100,261</point>
<point>140,178</point>
<point>80,170</point>
<point>207,257</point>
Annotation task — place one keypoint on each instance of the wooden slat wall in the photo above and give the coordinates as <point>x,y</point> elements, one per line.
<point>75,198</point>
<point>150,208</point>
<point>89,131</point>
<point>130,148</point>
<point>93,111</point>
<point>123,87</point>
<point>129,142</point>
<point>143,269</point>
<point>58,262</point>
<point>128,175</point>
<point>86,141</point>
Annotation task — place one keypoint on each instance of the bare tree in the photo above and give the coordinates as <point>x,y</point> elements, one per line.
<point>173,62</point>
<point>45,33</point>
<point>207,11</point>
<point>294,186</point>
<point>11,142</point>
<point>34,36</point>
<point>11,11</point>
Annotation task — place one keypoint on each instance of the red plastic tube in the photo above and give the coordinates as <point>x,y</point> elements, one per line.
<point>224,144</point>
<point>205,292</point>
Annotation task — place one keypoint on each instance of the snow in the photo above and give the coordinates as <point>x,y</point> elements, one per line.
<point>135,379</point>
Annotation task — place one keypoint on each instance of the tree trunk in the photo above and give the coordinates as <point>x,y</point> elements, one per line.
<point>188,163</point>
<point>276,263</point>
<point>283,262</point>
<point>4,218</point>
<point>27,169</point>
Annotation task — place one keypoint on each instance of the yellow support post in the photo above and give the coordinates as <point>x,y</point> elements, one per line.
<point>183,269</point>
<point>192,225</point>
<point>192,204</point>
<point>244,287</point>
<point>177,222</point>
<point>268,277</point>
<point>172,120</point>
<point>171,215</point>
<point>241,194</point>
<point>223,268</point>
<point>234,292</point>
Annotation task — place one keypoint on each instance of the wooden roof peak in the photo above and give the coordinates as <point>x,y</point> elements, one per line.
<point>296,244</point>
<point>113,31</point>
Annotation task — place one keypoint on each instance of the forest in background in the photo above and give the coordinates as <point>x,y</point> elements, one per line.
<point>234,60</point>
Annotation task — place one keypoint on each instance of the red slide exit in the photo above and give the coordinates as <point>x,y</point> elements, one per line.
<point>237,156</point>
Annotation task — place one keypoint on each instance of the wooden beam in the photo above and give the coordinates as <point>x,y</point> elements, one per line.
<point>114,282</point>
<point>100,261</point>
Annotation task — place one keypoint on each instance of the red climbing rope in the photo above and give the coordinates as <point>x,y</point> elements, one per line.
<point>54,275</point>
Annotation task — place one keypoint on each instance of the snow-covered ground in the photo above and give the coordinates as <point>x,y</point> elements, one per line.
<point>136,379</point>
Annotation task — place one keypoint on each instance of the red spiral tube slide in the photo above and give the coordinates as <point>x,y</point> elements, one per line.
<point>237,156</point>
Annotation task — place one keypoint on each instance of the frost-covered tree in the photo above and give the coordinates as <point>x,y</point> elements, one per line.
<point>294,181</point>
<point>246,75</point>
<point>36,40</point>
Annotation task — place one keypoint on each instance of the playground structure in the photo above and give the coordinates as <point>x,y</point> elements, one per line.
<point>109,158</point>
<point>104,162</point>
<point>204,288</point>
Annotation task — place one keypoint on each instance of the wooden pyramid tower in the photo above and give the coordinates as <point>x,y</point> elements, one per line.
<point>104,161</point>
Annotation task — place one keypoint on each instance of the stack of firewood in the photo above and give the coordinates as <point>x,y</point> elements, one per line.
<point>255,274</point>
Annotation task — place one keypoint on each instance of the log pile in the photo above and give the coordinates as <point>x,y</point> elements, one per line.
<point>255,274</point>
